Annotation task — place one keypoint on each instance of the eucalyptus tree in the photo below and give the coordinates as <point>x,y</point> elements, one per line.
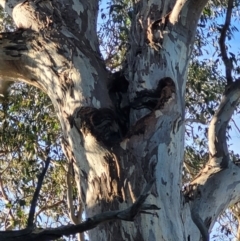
<point>125,130</point>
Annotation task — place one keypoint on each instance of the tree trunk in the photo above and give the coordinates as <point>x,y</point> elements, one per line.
<point>56,49</point>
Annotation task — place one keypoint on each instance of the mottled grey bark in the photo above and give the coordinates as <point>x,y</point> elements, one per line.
<point>56,49</point>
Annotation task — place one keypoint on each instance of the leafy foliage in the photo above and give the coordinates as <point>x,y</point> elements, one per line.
<point>6,23</point>
<point>115,22</point>
<point>29,132</point>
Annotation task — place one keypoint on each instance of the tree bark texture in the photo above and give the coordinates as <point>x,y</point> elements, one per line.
<point>56,49</point>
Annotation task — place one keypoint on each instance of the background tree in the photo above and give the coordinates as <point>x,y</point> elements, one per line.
<point>117,146</point>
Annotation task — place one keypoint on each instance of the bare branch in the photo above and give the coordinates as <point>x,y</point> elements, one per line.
<point>227,62</point>
<point>52,234</point>
<point>36,194</point>
<point>235,125</point>
<point>174,16</point>
<point>190,121</point>
<point>218,150</point>
<point>49,207</point>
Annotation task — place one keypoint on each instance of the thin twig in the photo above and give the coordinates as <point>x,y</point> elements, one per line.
<point>36,194</point>
<point>49,207</point>
<point>235,125</point>
<point>227,62</point>
<point>192,120</point>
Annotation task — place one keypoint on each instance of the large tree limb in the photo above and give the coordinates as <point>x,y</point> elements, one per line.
<point>16,57</point>
<point>40,15</point>
<point>184,9</point>
<point>41,235</point>
<point>219,156</point>
<point>174,16</point>
<point>219,173</point>
<point>32,51</point>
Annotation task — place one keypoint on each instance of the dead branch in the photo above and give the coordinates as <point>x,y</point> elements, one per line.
<point>227,62</point>
<point>235,125</point>
<point>36,194</point>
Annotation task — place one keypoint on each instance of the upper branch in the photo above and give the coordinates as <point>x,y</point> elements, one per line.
<point>174,16</point>
<point>227,62</point>
<point>211,177</point>
<point>187,13</point>
<point>219,156</point>
<point>77,20</point>
<point>194,6</point>
<point>16,57</point>
<point>48,48</point>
